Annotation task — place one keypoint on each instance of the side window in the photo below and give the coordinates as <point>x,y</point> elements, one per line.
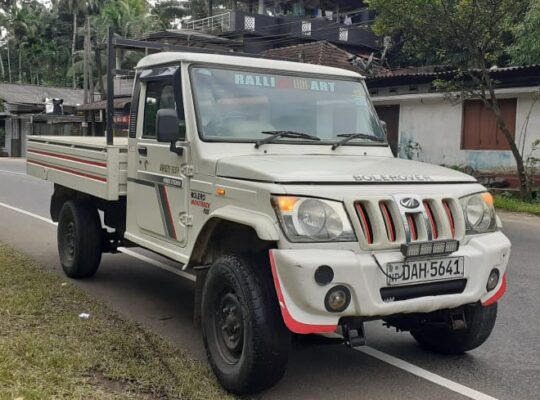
<point>159,95</point>
<point>480,131</point>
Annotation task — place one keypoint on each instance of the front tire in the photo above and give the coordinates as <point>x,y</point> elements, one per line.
<point>480,322</point>
<point>80,242</point>
<point>244,335</point>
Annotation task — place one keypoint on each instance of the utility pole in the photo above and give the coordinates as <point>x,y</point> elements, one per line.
<point>85,63</point>
<point>110,86</point>
<point>210,8</point>
<point>90,75</point>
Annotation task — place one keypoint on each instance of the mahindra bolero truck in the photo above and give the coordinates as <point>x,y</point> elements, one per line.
<point>272,182</point>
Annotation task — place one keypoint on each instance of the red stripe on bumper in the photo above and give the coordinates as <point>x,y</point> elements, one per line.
<point>497,296</point>
<point>290,322</point>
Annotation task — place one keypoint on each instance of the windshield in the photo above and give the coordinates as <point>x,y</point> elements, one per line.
<point>245,106</point>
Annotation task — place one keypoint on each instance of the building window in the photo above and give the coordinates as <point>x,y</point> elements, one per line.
<point>344,34</point>
<point>249,23</point>
<point>306,28</point>
<point>480,131</point>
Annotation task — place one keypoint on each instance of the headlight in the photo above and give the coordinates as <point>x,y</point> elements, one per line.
<point>313,220</point>
<point>479,213</point>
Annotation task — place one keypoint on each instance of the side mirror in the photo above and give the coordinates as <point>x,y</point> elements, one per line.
<point>167,128</point>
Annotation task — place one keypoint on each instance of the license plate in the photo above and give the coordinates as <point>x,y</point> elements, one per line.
<point>402,273</point>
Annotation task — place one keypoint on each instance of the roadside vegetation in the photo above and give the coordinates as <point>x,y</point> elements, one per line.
<point>509,203</point>
<point>48,351</point>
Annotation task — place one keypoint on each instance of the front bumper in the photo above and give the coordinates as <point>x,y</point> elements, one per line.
<point>302,299</point>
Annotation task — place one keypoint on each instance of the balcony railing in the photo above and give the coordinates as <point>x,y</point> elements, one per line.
<point>282,27</point>
<point>214,24</point>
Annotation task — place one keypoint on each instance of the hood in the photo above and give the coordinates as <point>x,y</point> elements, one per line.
<point>335,169</point>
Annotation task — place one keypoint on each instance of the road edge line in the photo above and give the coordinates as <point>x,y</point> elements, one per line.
<point>127,252</point>
<point>28,213</point>
<point>425,374</point>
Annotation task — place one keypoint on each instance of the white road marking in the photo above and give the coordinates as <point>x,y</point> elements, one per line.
<point>128,252</point>
<point>47,220</point>
<point>11,172</point>
<point>425,374</point>
<point>370,351</point>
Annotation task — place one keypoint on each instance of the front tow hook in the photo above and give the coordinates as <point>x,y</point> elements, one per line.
<point>353,332</point>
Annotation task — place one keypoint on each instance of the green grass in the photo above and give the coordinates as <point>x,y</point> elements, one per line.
<point>47,351</point>
<point>511,204</point>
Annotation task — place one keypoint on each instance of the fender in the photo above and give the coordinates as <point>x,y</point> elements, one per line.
<point>264,226</point>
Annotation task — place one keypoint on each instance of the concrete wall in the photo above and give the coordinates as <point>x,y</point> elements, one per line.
<point>435,124</point>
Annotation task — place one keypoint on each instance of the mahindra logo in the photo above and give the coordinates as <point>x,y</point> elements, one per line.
<point>409,202</point>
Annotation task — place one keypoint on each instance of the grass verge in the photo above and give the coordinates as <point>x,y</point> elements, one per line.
<point>511,204</point>
<point>47,351</point>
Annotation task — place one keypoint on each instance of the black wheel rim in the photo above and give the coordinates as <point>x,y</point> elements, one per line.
<point>229,326</point>
<point>69,241</point>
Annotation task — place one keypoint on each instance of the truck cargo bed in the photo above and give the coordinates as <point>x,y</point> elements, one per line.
<point>85,164</point>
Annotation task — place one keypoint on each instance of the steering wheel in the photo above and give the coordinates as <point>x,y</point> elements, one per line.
<point>215,126</point>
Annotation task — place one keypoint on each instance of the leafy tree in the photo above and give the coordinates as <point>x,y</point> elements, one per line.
<point>471,36</point>
<point>129,18</point>
<point>526,46</point>
<point>167,11</point>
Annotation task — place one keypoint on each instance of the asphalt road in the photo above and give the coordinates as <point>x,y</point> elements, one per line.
<point>392,366</point>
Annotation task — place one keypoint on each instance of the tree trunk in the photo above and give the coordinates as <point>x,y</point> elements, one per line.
<point>9,63</point>
<point>524,189</point>
<point>73,44</point>
<point>2,67</point>
<point>493,104</point>
<point>100,73</point>
<point>20,63</point>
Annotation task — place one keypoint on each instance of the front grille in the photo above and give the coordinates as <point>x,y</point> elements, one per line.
<point>400,293</point>
<point>385,224</point>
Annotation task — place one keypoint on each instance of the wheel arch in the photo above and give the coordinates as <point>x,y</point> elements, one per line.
<point>233,230</point>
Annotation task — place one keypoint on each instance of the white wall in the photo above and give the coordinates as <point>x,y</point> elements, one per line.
<point>436,124</point>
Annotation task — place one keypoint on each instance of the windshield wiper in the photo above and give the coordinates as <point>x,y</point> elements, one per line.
<point>351,136</point>
<point>274,135</point>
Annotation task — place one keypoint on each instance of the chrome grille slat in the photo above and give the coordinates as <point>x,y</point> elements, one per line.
<point>431,224</point>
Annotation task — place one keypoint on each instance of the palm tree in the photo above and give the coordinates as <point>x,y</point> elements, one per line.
<point>74,6</point>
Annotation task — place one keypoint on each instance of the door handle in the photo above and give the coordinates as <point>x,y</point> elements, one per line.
<point>143,151</point>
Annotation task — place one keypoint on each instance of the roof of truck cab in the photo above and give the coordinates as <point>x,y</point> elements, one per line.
<point>239,61</point>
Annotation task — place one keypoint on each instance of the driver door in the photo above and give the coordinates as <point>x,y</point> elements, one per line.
<point>160,187</point>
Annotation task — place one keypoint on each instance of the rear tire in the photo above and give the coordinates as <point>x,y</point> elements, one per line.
<point>80,242</point>
<point>244,335</point>
<point>480,322</point>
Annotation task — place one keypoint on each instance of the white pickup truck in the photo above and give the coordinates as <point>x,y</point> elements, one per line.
<point>273,183</point>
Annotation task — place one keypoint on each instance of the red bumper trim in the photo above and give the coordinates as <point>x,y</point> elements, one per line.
<point>290,322</point>
<point>496,297</point>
